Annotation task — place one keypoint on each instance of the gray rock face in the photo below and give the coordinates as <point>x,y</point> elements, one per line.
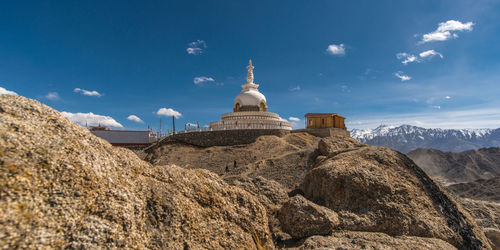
<point>302,218</point>
<point>380,190</point>
<point>60,187</point>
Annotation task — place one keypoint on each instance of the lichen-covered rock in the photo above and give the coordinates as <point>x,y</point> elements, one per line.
<point>60,187</point>
<point>380,190</point>
<point>271,194</point>
<point>368,240</point>
<point>302,218</point>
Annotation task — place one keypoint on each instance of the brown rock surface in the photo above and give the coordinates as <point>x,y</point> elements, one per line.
<point>487,216</point>
<point>380,190</point>
<point>369,240</point>
<point>486,213</point>
<point>494,237</point>
<point>302,218</point>
<point>60,186</point>
<point>335,145</point>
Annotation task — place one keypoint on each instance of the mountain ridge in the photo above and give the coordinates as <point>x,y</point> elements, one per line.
<point>405,138</point>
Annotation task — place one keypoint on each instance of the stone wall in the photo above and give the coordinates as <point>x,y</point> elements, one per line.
<point>324,132</point>
<point>222,137</point>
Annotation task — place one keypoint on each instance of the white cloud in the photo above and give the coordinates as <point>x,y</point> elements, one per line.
<point>430,53</point>
<point>52,96</point>
<point>408,58</point>
<point>296,122</point>
<point>436,107</point>
<point>194,51</point>
<point>296,88</point>
<point>168,112</point>
<point>196,47</point>
<point>401,76</point>
<point>6,92</point>
<point>447,97</point>
<point>92,119</point>
<point>338,50</point>
<point>199,80</point>
<point>87,92</point>
<point>445,31</point>
<point>134,118</point>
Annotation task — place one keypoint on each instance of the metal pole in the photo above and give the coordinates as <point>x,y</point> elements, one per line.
<point>173,124</point>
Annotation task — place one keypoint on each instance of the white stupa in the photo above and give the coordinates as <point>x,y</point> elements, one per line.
<point>250,110</point>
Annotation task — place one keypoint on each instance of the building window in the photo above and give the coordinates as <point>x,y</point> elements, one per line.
<point>322,121</point>
<point>310,122</point>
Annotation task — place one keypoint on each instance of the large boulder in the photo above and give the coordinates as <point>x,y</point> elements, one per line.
<point>302,218</point>
<point>61,187</point>
<point>380,190</point>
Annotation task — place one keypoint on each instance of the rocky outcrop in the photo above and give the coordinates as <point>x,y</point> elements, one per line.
<point>301,218</point>
<point>62,187</point>
<point>380,190</point>
<point>369,240</point>
<point>336,145</point>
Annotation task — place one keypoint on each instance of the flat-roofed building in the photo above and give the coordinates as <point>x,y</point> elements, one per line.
<point>325,120</point>
<point>124,137</point>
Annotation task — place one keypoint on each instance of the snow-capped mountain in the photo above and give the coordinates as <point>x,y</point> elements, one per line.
<point>405,138</point>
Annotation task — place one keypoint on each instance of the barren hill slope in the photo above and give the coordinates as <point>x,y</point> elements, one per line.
<point>486,190</point>
<point>285,160</point>
<point>450,167</point>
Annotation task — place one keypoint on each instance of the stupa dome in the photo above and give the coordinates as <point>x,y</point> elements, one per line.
<point>250,99</point>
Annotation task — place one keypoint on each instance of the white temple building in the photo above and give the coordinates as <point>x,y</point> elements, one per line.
<point>250,110</point>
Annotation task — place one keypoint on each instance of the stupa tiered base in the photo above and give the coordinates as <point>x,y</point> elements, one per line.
<point>250,120</point>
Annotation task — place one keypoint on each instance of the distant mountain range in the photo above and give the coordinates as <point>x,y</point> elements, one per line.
<point>450,167</point>
<point>406,138</point>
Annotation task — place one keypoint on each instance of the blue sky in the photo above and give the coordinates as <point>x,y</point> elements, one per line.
<point>426,63</point>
